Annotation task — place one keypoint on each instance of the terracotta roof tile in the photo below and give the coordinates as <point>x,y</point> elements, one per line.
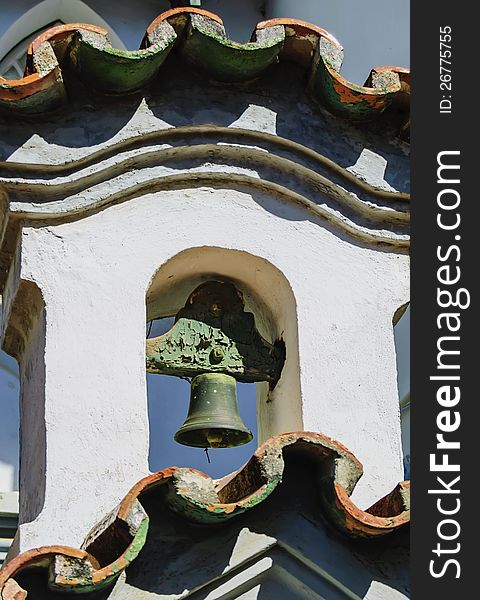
<point>108,550</point>
<point>200,39</point>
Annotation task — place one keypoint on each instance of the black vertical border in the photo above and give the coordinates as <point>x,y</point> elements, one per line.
<point>431,133</point>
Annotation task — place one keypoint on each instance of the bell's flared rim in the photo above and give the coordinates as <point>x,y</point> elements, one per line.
<point>197,438</point>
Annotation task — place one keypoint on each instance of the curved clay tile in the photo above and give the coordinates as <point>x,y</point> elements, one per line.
<point>114,543</point>
<point>39,92</point>
<point>200,39</point>
<point>41,88</point>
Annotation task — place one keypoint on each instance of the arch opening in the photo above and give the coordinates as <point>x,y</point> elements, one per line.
<point>265,410</point>
<point>401,331</point>
<point>9,423</point>
<point>41,16</point>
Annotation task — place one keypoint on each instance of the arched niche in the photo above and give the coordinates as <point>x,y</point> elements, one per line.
<point>49,11</point>
<point>9,423</point>
<point>266,293</point>
<point>401,325</point>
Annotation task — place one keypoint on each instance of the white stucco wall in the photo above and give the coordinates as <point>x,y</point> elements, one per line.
<point>378,47</point>
<point>93,275</point>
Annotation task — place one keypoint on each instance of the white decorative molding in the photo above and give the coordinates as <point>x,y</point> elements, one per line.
<point>136,166</point>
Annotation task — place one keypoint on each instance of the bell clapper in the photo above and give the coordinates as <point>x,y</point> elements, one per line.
<point>214,437</point>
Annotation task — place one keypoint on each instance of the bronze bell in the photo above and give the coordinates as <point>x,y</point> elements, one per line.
<point>213,420</point>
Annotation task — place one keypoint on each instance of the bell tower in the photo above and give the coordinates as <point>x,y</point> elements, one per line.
<point>253,193</point>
